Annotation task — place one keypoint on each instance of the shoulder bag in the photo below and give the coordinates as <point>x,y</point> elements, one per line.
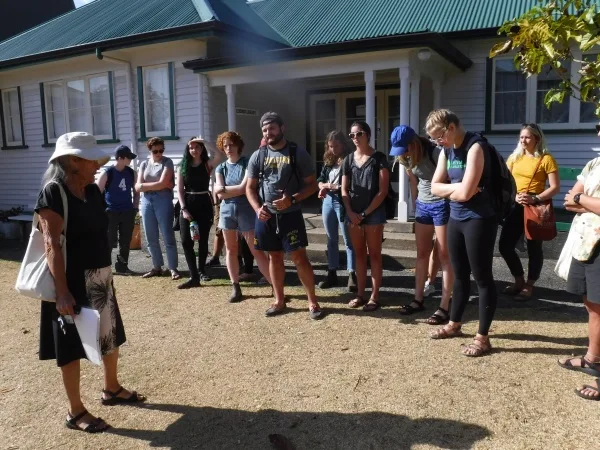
<point>540,221</point>
<point>34,279</point>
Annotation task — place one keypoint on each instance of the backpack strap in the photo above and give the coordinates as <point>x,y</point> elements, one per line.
<point>262,156</point>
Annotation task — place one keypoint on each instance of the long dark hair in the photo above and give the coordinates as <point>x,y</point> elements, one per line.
<point>187,158</point>
<point>329,159</point>
<point>364,126</point>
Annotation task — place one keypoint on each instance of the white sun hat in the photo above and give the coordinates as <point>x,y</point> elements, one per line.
<point>210,147</point>
<point>80,144</point>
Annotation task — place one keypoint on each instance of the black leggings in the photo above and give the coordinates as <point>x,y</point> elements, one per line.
<point>512,231</point>
<point>471,245</point>
<point>202,213</point>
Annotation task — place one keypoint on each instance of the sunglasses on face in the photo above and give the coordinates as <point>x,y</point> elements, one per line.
<point>161,151</point>
<point>356,135</point>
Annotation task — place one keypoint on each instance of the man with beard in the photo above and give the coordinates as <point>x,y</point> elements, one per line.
<point>280,176</point>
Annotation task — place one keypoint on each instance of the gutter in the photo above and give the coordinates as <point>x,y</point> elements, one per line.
<point>434,41</point>
<point>132,124</point>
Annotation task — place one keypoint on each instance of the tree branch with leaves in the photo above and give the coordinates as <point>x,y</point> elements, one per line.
<point>545,37</point>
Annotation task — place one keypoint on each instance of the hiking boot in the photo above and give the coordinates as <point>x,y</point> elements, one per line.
<point>191,283</point>
<point>331,280</point>
<point>236,294</point>
<point>121,268</point>
<point>352,282</point>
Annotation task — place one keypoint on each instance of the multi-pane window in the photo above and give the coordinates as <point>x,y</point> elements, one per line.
<point>82,104</point>
<point>157,100</point>
<point>558,112</point>
<point>510,94</point>
<point>11,114</point>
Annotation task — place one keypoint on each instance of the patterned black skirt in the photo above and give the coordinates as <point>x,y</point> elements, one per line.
<point>100,295</point>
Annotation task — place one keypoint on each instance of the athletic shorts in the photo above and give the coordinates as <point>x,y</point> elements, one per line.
<point>435,213</point>
<point>236,216</point>
<point>282,232</point>
<point>377,217</point>
<point>584,277</point>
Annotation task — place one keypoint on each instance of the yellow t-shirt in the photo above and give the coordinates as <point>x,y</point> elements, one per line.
<point>523,168</point>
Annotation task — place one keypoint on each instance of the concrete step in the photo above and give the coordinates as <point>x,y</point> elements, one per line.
<point>393,241</point>
<point>313,221</point>
<point>392,259</point>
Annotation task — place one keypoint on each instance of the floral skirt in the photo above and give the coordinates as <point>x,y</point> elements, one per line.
<point>100,295</point>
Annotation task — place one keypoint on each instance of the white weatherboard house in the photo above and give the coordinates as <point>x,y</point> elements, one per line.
<point>126,70</point>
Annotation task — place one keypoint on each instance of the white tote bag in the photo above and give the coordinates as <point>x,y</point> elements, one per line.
<point>34,279</point>
<point>563,265</point>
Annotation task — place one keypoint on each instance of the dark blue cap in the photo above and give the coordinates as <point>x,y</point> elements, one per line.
<point>122,151</point>
<point>401,137</point>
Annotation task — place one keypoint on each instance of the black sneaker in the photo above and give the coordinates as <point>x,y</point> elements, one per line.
<point>191,283</point>
<point>213,262</point>
<point>330,281</point>
<point>204,277</point>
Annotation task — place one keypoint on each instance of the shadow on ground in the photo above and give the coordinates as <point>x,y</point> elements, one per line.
<point>211,428</point>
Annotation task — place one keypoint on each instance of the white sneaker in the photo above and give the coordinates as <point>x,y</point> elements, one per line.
<point>429,289</point>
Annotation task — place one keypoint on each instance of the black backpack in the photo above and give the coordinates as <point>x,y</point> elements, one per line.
<point>262,156</point>
<point>503,188</point>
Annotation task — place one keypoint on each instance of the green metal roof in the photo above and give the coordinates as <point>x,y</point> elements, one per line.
<point>313,22</point>
<point>104,20</point>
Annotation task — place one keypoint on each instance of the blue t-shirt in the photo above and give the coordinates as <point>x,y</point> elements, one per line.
<point>233,174</point>
<point>118,189</point>
<point>480,205</point>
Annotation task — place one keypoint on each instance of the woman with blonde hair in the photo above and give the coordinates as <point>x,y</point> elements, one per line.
<point>330,183</point>
<point>419,156</point>
<point>467,163</point>
<point>531,165</point>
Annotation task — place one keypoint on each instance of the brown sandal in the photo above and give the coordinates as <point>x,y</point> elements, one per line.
<point>446,332</point>
<point>479,347</point>
<point>357,302</point>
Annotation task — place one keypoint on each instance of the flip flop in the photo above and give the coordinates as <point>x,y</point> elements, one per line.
<point>593,388</point>
<point>115,400</point>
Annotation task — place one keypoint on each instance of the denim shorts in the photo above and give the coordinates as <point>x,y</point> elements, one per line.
<point>236,216</point>
<point>436,213</point>
<point>377,217</point>
<point>282,232</point>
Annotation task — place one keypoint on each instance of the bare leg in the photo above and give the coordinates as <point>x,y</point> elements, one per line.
<point>593,353</point>
<point>373,235</point>
<point>111,378</point>
<point>424,236</point>
<point>441,250</point>
<point>434,260</point>
<point>277,272</point>
<point>306,274</point>
<point>231,258</point>
<point>259,256</point>
<point>71,378</point>
<point>359,244</point>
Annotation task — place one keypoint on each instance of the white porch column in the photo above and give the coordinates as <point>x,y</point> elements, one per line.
<point>415,84</point>
<point>201,116</point>
<point>437,93</point>
<point>230,91</point>
<point>403,193</point>
<point>370,103</point>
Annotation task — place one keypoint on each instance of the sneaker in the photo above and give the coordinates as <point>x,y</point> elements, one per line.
<point>330,281</point>
<point>191,283</point>
<point>236,294</point>
<point>429,289</point>
<point>204,277</point>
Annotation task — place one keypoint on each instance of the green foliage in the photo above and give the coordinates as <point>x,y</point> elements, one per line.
<point>546,36</point>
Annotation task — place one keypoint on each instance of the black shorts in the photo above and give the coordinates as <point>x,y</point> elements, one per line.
<point>282,232</point>
<point>584,277</point>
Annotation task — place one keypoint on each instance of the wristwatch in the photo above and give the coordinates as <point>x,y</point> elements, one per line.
<point>293,200</point>
<point>363,214</point>
<point>576,197</point>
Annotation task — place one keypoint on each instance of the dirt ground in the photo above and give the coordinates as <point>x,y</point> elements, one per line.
<point>222,376</point>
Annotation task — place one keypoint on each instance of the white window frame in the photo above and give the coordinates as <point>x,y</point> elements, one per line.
<point>6,115</point>
<point>574,122</point>
<point>147,131</point>
<point>87,105</point>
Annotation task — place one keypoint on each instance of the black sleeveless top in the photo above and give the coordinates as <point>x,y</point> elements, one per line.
<point>197,178</point>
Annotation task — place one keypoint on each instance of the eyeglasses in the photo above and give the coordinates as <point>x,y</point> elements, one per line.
<point>440,137</point>
<point>598,128</point>
<point>356,135</point>
<point>161,151</point>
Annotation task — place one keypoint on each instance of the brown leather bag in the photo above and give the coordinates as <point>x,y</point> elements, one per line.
<point>540,221</point>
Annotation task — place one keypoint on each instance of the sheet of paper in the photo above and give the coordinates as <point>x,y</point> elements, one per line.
<point>88,327</point>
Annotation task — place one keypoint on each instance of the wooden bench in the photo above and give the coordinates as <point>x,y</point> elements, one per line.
<point>23,220</point>
<point>566,174</point>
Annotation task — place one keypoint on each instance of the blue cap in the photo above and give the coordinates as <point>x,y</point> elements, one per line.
<point>401,137</point>
<point>122,151</point>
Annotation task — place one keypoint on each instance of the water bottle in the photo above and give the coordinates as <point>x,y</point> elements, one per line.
<point>194,230</point>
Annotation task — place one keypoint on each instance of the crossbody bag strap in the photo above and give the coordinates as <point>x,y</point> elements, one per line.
<point>535,171</point>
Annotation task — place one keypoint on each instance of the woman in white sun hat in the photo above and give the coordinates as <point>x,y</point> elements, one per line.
<point>85,278</point>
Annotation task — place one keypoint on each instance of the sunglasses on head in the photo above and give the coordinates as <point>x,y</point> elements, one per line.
<point>598,128</point>
<point>357,134</point>
<point>161,151</point>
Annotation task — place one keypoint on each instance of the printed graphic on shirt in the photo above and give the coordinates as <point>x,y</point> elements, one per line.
<point>456,164</point>
<point>123,185</point>
<point>277,162</point>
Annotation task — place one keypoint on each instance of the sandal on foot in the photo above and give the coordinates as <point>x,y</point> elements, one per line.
<point>98,425</point>
<point>409,309</point>
<point>274,310</point>
<point>153,273</point>
<point>175,275</point>
<point>114,398</point>
<point>590,368</point>
<point>592,388</point>
<point>525,294</point>
<point>479,347</point>
<point>513,289</point>
<point>315,312</point>
<point>440,317</point>
<point>371,306</point>
<point>446,332</point>
<point>357,302</point>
